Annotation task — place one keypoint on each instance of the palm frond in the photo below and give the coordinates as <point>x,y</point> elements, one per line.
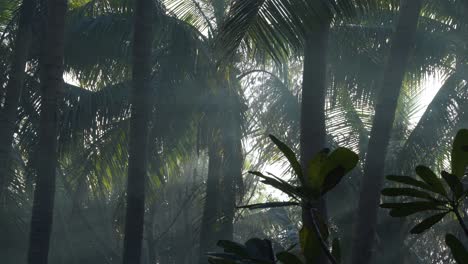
<point>435,130</point>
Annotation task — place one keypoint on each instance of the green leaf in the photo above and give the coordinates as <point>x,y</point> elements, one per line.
<point>454,183</point>
<point>325,171</point>
<point>322,224</point>
<point>340,162</point>
<point>336,250</point>
<point>410,181</point>
<point>460,254</point>
<point>289,154</point>
<point>314,177</point>
<point>410,192</point>
<point>234,248</point>
<point>427,223</point>
<point>431,179</point>
<point>288,258</point>
<point>310,244</point>
<point>460,153</point>
<point>281,185</point>
<point>342,157</point>
<point>405,209</point>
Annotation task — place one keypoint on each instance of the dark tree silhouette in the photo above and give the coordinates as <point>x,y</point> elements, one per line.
<point>313,132</point>
<point>140,115</point>
<point>13,89</point>
<point>403,41</point>
<point>52,86</point>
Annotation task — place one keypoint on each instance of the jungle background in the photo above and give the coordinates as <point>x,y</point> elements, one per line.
<point>128,127</point>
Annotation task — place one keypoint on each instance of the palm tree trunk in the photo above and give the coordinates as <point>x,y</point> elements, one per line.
<point>313,131</point>
<point>232,171</point>
<point>13,90</point>
<point>210,209</point>
<point>51,80</point>
<point>139,130</point>
<point>150,241</point>
<point>403,42</point>
<point>188,243</point>
<point>427,122</point>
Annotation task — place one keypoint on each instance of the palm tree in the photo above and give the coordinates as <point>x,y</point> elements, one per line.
<point>173,78</point>
<point>222,132</point>
<point>315,42</point>
<point>354,67</point>
<point>444,116</point>
<point>403,42</point>
<point>52,87</point>
<point>94,165</point>
<point>139,121</point>
<point>210,212</point>
<point>13,89</point>
<point>233,161</point>
<point>312,125</point>
<point>82,112</point>
<point>290,30</point>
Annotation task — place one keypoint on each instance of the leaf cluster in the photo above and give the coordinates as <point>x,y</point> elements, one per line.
<point>439,195</point>
<point>323,173</point>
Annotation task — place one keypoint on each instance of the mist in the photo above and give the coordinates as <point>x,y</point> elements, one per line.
<point>233,131</point>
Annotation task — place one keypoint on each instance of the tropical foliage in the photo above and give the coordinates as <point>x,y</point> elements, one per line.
<point>436,197</point>
<point>324,172</point>
<point>220,76</point>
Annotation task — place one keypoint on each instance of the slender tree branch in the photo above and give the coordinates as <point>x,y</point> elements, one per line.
<point>320,238</point>
<point>461,222</point>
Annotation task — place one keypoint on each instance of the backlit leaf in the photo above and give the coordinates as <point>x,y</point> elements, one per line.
<point>460,153</point>
<point>459,252</point>
<point>310,244</point>
<point>406,192</point>
<point>405,209</point>
<point>340,162</point>
<point>289,154</point>
<point>410,181</point>
<point>314,177</point>
<point>454,183</point>
<point>431,179</point>
<point>427,223</point>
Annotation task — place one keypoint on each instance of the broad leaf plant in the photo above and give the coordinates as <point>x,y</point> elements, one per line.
<point>441,196</point>
<point>323,173</point>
